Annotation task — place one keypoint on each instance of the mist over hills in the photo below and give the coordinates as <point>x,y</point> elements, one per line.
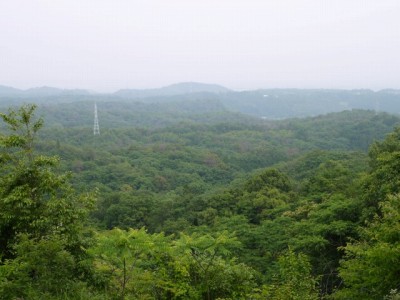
<point>261,103</point>
<point>44,91</point>
<point>287,103</point>
<point>172,90</point>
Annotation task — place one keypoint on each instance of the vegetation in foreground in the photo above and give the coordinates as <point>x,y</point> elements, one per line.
<point>291,215</point>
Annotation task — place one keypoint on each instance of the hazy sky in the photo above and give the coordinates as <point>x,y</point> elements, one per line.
<point>106,45</point>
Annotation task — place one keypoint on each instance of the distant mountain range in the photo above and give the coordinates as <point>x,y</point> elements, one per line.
<point>45,91</point>
<point>171,90</point>
<point>262,103</point>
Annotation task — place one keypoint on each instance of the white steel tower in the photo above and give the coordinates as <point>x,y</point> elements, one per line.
<point>96,128</point>
<point>377,106</point>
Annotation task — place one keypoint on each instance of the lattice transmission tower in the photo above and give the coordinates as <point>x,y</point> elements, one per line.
<point>377,106</point>
<point>96,128</point>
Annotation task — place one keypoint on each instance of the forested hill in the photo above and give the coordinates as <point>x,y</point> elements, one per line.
<point>286,103</point>
<point>137,114</point>
<point>171,90</point>
<point>204,204</point>
<point>262,103</point>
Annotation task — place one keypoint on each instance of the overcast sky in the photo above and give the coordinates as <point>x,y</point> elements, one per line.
<point>106,45</point>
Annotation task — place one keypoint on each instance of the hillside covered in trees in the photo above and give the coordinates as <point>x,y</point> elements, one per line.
<point>192,98</point>
<point>195,201</point>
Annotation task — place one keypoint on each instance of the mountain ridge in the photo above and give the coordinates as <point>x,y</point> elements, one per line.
<point>42,91</point>
<point>173,90</point>
<point>169,90</point>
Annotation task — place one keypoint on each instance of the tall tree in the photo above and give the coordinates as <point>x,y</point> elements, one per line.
<point>38,210</point>
<point>372,266</point>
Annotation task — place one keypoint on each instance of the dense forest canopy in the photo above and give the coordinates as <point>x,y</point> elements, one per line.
<point>190,200</point>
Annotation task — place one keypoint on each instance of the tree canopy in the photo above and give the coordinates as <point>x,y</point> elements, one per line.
<point>230,210</point>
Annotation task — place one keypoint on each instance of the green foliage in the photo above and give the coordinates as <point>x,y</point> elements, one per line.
<point>41,217</point>
<point>129,259</point>
<point>293,280</point>
<point>139,265</point>
<point>269,178</point>
<point>393,295</point>
<point>384,178</point>
<point>371,267</point>
<point>234,196</point>
<point>212,271</point>
<point>41,269</point>
<point>34,199</point>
